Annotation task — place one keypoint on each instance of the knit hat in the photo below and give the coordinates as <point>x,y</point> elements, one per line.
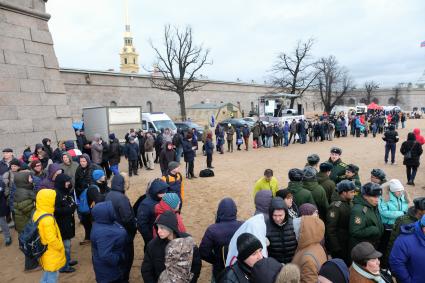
<point>172,199</point>
<point>325,167</point>
<point>112,136</point>
<point>97,174</point>
<point>396,186</point>
<point>335,270</point>
<point>309,174</point>
<point>270,265</point>
<point>173,165</point>
<point>15,161</point>
<point>247,244</point>
<point>307,209</point>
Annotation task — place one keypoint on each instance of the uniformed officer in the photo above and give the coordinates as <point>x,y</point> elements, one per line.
<point>325,181</point>
<point>338,222</point>
<point>351,174</point>
<point>338,168</point>
<point>378,176</point>
<point>365,220</point>
<point>313,161</point>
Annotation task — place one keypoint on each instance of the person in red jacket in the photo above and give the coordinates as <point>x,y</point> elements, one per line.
<point>169,202</point>
<point>420,139</point>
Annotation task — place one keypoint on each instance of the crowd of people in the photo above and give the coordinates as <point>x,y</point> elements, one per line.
<point>324,227</point>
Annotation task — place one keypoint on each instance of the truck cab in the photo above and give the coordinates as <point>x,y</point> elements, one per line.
<point>156,121</point>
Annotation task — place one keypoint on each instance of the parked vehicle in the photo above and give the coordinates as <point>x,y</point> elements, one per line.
<point>156,121</point>
<point>235,122</point>
<point>188,125</point>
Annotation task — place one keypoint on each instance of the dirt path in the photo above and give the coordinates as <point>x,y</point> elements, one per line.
<point>235,175</point>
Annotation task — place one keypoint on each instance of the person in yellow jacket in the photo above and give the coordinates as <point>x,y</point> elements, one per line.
<point>268,182</point>
<point>175,180</point>
<point>53,258</point>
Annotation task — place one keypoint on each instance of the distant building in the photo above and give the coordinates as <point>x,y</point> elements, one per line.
<point>129,56</point>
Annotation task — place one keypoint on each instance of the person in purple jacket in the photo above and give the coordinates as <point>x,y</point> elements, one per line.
<point>217,236</point>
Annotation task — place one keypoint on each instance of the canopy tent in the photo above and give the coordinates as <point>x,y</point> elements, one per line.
<point>374,106</point>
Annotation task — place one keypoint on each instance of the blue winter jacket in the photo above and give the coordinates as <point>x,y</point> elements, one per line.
<point>108,240</point>
<point>393,208</point>
<point>146,210</point>
<point>188,152</point>
<point>132,151</point>
<point>408,254</point>
<point>218,235</point>
<point>209,147</point>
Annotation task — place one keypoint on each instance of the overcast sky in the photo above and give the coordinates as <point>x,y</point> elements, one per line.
<point>375,39</point>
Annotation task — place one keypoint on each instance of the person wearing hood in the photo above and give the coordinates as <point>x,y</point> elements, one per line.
<point>178,261</point>
<point>37,150</point>
<point>408,253</point>
<point>366,265</point>
<point>325,181</point>
<point>75,153</point>
<point>146,210</point>
<point>167,155</point>
<point>412,151</point>
<point>218,235</point>
<point>68,166</point>
<point>64,214</point>
<point>420,139</point>
<point>114,154</point>
<point>288,198</point>
<point>310,255</point>
<point>47,147</point>
<point>97,191</point>
<point>267,182</point>
<point>53,258</point>
<point>280,232</point>
<point>319,195</point>
<point>4,213</point>
<point>154,260</point>
<point>52,172</point>
<point>38,175</point>
<point>249,253</point>
<point>334,270</point>
<point>96,149</point>
<point>262,201</point>
<point>57,154</point>
<point>338,222</point>
<point>295,186</point>
<point>175,180</point>
<point>169,202</point>
<point>189,156</point>
<point>125,217</point>
<point>391,139</point>
<point>108,242</point>
<point>365,220</point>
<point>266,270</point>
<point>44,159</point>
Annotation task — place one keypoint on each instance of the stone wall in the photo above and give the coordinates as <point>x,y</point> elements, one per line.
<point>33,103</point>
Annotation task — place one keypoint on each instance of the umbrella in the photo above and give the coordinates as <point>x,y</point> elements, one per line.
<point>374,106</point>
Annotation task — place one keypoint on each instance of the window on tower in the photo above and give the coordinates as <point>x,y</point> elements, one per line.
<point>125,60</point>
<point>134,60</point>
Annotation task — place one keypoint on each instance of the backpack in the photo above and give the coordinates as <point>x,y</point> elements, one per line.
<point>83,202</point>
<point>206,173</point>
<point>29,240</point>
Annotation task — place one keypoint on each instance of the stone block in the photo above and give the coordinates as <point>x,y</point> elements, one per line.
<point>54,86</point>
<point>36,47</point>
<point>53,99</point>
<point>22,3</point>
<point>32,85</point>
<point>20,98</point>
<point>16,126</point>
<point>2,57</point>
<point>67,134</point>
<point>63,111</point>
<point>15,141</point>
<point>21,58</point>
<point>8,113</point>
<point>40,125</point>
<point>21,20</point>
<point>36,137</point>
<point>43,74</point>
<point>9,85</point>
<point>41,112</point>
<point>39,5</point>
<point>8,71</point>
<point>15,31</point>
<point>41,36</point>
<point>11,43</point>
<point>50,60</point>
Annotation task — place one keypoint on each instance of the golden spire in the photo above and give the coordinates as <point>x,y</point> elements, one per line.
<point>129,57</point>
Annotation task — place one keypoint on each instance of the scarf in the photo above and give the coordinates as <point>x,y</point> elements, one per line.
<point>367,275</point>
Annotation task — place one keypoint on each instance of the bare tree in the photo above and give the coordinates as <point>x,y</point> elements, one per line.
<point>370,87</point>
<point>294,72</point>
<point>178,65</point>
<point>333,82</point>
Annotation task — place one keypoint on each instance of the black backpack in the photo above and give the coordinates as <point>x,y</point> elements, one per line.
<point>29,240</point>
<point>206,173</point>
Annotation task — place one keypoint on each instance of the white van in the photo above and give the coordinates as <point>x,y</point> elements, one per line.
<point>156,121</point>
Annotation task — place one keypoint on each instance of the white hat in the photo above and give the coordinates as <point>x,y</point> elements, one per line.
<point>229,125</point>
<point>396,186</point>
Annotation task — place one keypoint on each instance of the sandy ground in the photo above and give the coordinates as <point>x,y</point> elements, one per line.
<point>236,174</point>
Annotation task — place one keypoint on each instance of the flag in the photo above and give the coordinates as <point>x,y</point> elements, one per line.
<point>423,44</point>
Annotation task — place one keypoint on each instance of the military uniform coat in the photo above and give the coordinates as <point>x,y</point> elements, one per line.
<point>300,194</point>
<point>319,196</point>
<point>338,169</point>
<point>327,184</point>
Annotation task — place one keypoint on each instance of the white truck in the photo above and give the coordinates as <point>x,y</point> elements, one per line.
<point>111,119</point>
<point>156,121</point>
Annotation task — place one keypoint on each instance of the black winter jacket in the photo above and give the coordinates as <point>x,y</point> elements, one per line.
<point>390,137</point>
<point>283,241</point>
<point>415,149</point>
<point>114,152</point>
<point>64,207</point>
<point>237,273</point>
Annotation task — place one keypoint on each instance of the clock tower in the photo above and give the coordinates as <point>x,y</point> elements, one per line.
<point>129,57</point>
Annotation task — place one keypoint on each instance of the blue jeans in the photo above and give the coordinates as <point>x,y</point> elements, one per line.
<point>403,124</point>
<point>268,142</point>
<point>285,138</point>
<point>390,147</point>
<point>67,245</point>
<point>49,277</point>
<point>179,151</point>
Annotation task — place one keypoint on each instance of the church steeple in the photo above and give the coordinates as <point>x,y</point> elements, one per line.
<point>129,56</point>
